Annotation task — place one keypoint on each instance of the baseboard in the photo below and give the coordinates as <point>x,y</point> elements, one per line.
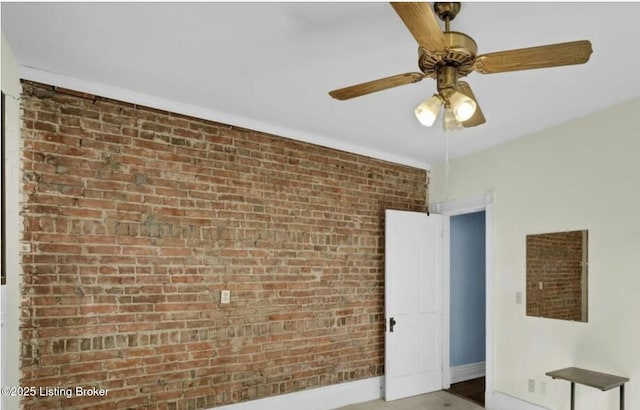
<point>321,398</point>
<point>501,401</point>
<point>466,372</point>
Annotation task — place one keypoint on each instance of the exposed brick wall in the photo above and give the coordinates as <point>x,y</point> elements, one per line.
<point>137,218</point>
<point>555,260</point>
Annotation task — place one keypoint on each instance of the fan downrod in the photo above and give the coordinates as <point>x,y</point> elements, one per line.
<point>447,11</point>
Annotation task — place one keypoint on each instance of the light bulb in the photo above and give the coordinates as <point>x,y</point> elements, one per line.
<point>463,106</point>
<point>465,110</point>
<point>426,118</point>
<point>450,122</point>
<point>427,112</point>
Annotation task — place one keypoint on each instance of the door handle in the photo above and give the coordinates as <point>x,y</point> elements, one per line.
<point>392,323</point>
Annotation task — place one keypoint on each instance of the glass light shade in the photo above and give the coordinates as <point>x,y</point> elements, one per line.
<point>449,122</point>
<point>463,106</point>
<point>427,112</point>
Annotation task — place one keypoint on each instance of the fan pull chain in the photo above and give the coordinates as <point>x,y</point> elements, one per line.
<point>446,165</point>
<point>446,155</point>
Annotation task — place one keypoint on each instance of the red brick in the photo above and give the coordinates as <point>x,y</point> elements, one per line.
<point>135,231</point>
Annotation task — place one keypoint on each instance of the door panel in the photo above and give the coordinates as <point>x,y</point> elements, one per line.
<point>413,282</point>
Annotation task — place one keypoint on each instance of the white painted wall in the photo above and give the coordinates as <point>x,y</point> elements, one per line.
<point>584,174</point>
<point>10,292</point>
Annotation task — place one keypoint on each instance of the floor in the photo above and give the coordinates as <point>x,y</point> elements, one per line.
<point>470,389</point>
<point>431,401</point>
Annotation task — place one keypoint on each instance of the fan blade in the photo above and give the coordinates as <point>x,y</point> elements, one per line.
<point>553,55</point>
<point>422,23</point>
<point>478,117</point>
<point>375,85</point>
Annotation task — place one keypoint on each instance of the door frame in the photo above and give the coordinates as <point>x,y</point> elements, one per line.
<point>482,202</point>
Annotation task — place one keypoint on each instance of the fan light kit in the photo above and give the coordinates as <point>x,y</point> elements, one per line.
<point>448,56</point>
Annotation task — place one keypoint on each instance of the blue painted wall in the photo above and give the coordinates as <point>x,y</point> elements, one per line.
<point>467,289</point>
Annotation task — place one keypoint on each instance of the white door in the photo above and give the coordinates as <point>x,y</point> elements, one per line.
<point>413,303</point>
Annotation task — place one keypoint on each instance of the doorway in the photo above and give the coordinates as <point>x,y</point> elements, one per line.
<point>467,278</point>
<point>483,202</point>
<point>460,207</point>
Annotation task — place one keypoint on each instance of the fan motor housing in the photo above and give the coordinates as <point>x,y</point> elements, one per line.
<point>460,51</point>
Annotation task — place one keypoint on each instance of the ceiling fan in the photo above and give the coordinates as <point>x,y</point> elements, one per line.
<point>450,55</point>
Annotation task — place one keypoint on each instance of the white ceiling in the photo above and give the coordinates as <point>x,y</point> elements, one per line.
<point>269,66</point>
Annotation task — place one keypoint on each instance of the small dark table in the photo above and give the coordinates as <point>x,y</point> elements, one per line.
<point>598,380</point>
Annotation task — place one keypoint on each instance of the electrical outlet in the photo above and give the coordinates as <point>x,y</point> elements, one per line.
<point>532,386</point>
<point>543,388</point>
<point>225,296</point>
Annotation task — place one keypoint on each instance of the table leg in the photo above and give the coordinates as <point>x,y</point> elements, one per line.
<point>573,396</point>
<point>622,397</point>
